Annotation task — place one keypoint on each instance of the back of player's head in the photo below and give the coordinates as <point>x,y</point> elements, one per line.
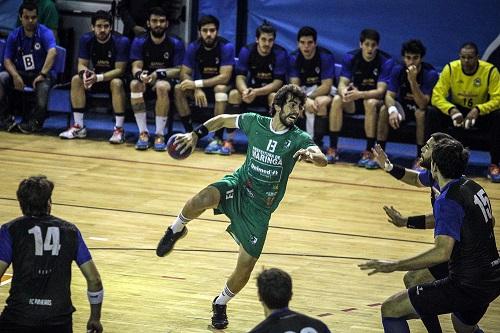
<point>34,194</point>
<point>158,11</point>
<point>450,157</point>
<point>265,28</point>
<point>438,136</point>
<point>285,93</point>
<point>101,15</point>
<point>413,46</point>
<point>369,34</point>
<point>306,32</point>
<point>29,6</point>
<point>275,288</point>
<point>208,19</point>
<point>470,45</point>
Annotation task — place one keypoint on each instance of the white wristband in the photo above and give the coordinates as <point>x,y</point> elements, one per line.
<point>95,297</point>
<point>392,109</point>
<point>388,166</point>
<point>99,77</point>
<point>198,83</point>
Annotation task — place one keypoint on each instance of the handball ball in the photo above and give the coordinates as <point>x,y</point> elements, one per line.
<point>176,153</point>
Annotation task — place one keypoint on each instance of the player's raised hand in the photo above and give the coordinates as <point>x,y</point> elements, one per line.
<point>379,266</point>
<point>380,156</point>
<point>395,217</point>
<point>185,142</point>
<point>303,155</point>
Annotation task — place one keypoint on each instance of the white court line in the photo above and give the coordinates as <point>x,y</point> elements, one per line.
<point>6,281</point>
<point>99,239</point>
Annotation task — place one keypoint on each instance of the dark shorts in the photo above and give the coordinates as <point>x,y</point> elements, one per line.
<point>448,296</point>
<point>11,327</point>
<point>249,223</point>
<point>440,271</point>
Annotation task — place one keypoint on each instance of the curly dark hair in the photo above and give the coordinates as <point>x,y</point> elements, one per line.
<point>275,288</point>
<point>34,194</point>
<point>284,94</point>
<point>450,157</point>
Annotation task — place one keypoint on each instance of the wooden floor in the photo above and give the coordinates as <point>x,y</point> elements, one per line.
<point>330,220</point>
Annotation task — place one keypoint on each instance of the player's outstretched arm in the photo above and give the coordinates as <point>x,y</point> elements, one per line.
<point>411,222</point>
<point>406,175</point>
<point>188,141</point>
<point>311,154</point>
<point>95,293</point>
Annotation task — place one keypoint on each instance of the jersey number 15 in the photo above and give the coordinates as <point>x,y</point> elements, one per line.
<point>482,200</point>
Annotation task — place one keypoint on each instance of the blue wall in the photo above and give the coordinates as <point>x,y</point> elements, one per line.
<point>442,25</point>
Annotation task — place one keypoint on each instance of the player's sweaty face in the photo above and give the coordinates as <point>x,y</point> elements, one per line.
<point>290,111</point>
<point>369,49</point>
<point>411,59</point>
<point>307,46</point>
<point>426,154</point>
<point>29,19</point>
<point>102,29</point>
<point>265,43</point>
<point>158,25</point>
<point>208,33</point>
<point>468,59</point>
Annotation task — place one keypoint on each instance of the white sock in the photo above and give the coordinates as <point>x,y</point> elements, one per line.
<point>225,296</point>
<point>141,120</point>
<point>310,123</point>
<point>78,118</point>
<point>160,124</point>
<point>179,223</point>
<point>119,120</point>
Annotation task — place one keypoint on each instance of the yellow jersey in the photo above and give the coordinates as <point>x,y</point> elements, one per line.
<point>455,88</point>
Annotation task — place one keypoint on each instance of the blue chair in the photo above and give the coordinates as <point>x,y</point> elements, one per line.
<point>3,43</point>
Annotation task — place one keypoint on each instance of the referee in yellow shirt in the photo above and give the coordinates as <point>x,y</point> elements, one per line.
<point>467,97</point>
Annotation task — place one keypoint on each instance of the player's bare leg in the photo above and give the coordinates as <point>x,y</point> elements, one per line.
<point>208,198</point>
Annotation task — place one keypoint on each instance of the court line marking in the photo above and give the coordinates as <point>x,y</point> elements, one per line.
<point>227,222</point>
<point>218,170</point>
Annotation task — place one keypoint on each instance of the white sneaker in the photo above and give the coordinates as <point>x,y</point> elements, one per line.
<point>118,135</point>
<point>74,132</point>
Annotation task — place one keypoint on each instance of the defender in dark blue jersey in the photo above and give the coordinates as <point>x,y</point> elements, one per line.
<point>156,59</point>
<point>102,61</point>
<point>41,249</point>
<point>29,55</point>
<point>362,86</point>
<point>313,68</point>
<point>275,292</point>
<point>464,236</point>
<point>408,94</point>
<point>205,75</point>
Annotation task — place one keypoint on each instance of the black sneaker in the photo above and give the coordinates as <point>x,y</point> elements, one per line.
<point>8,124</point>
<point>219,318</point>
<point>167,242</point>
<point>28,127</point>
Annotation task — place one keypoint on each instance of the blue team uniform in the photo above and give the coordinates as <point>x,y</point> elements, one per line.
<point>206,63</point>
<point>311,72</point>
<point>167,54</point>
<point>363,74</point>
<point>29,53</point>
<point>103,56</point>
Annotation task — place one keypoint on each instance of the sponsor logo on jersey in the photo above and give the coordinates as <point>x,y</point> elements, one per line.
<point>477,82</point>
<point>37,46</point>
<point>253,239</point>
<point>230,194</point>
<point>110,54</point>
<point>270,67</point>
<point>38,301</point>
<point>217,60</point>
<point>166,55</point>
<point>375,71</point>
<point>419,290</point>
<point>317,70</point>
<point>287,144</point>
<point>266,157</point>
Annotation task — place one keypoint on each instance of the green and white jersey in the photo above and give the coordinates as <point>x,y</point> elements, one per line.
<point>269,161</point>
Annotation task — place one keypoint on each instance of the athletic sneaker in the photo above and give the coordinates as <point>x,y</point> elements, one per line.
<point>332,155</point>
<point>160,144</point>
<point>213,147</point>
<point>365,157</point>
<point>227,148</point>
<point>143,141</point>
<point>8,124</point>
<point>167,242</point>
<point>372,164</point>
<point>74,132</point>
<point>30,126</point>
<point>494,173</point>
<point>219,318</point>
<point>118,135</point>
